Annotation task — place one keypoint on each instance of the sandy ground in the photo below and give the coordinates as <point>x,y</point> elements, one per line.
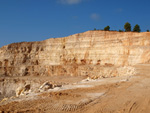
<point>109,95</point>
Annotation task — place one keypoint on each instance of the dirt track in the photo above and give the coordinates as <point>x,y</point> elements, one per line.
<point>110,95</point>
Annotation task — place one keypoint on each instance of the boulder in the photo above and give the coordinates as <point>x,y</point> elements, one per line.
<point>45,86</point>
<point>23,90</point>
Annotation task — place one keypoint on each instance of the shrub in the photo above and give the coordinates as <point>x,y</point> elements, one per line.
<point>127,27</point>
<point>136,28</point>
<point>107,28</point>
<point>120,30</point>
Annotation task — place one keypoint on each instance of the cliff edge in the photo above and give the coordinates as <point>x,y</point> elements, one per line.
<point>76,55</point>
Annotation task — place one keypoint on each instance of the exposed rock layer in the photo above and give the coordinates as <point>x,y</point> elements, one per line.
<point>80,54</point>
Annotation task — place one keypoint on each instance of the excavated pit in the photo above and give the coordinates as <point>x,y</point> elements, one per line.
<point>71,63</point>
<point>16,86</point>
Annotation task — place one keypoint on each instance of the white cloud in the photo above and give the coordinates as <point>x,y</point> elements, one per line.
<point>95,16</point>
<point>69,2</point>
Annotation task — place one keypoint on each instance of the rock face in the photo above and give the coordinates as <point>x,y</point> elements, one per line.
<point>76,55</point>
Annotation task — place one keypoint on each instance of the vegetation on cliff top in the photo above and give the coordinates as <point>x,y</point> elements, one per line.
<point>136,28</point>
<point>127,28</point>
<point>107,28</point>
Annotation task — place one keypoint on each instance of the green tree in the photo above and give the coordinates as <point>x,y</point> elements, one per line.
<point>120,30</point>
<point>136,28</point>
<point>94,29</point>
<point>107,28</point>
<point>127,27</point>
<point>147,30</point>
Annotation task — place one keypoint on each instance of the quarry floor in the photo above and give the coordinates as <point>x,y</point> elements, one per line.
<point>126,94</point>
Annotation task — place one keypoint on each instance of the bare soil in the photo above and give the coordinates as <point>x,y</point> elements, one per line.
<point>126,94</point>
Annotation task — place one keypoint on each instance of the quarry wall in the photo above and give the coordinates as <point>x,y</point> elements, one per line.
<point>76,55</point>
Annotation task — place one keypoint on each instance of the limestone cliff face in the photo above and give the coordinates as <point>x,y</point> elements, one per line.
<point>80,54</point>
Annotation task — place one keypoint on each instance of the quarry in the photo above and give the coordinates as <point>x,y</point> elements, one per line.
<point>91,72</point>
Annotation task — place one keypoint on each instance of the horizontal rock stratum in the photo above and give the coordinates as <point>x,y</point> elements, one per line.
<point>79,54</point>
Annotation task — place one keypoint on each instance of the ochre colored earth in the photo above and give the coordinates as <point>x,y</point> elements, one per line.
<point>128,94</point>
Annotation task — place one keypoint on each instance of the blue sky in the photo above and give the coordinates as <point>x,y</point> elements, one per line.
<point>36,20</point>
